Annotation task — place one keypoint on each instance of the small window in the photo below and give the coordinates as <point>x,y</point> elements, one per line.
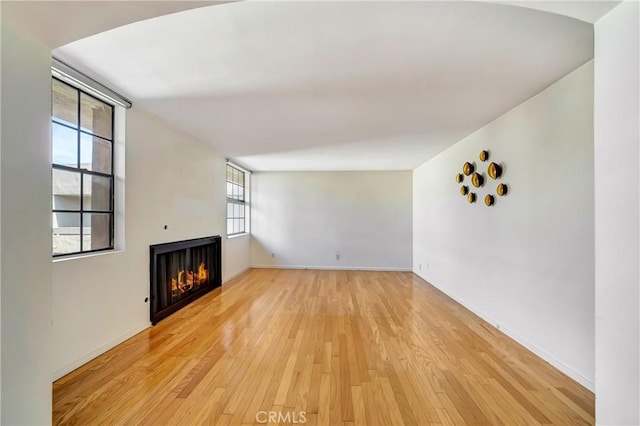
<point>236,201</point>
<point>82,129</point>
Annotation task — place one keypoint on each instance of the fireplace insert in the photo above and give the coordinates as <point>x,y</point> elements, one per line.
<point>181,272</point>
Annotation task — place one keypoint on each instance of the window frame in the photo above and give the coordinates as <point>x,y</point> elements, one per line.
<point>237,201</point>
<point>82,172</point>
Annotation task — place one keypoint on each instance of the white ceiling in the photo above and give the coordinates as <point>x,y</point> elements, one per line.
<point>588,11</point>
<point>336,85</point>
<point>57,23</point>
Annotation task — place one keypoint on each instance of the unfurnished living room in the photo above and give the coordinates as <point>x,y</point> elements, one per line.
<point>320,212</point>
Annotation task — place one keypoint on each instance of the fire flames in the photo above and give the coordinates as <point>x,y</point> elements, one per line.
<point>188,280</point>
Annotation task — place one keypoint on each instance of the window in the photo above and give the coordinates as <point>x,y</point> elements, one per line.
<point>236,201</point>
<point>82,135</point>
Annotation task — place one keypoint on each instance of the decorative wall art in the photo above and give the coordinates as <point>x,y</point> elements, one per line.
<point>494,171</point>
<point>477,180</point>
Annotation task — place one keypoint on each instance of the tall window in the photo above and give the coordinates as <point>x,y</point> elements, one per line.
<point>82,175</point>
<point>236,201</point>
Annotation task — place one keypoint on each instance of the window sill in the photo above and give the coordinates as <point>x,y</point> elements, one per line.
<point>85,255</point>
<point>244,234</point>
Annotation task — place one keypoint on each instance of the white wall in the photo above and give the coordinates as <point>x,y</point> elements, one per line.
<point>237,256</point>
<point>171,180</point>
<point>305,218</point>
<point>526,263</point>
<point>617,193</point>
<point>26,230</point>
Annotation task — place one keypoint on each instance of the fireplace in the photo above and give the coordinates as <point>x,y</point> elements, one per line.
<point>181,272</point>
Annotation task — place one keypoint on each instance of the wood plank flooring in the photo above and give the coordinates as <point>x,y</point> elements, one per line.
<point>325,348</point>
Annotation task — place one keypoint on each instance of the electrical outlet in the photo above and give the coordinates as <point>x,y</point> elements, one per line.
<point>337,256</point>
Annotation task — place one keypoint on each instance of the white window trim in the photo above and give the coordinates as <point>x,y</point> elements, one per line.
<point>75,78</point>
<point>247,201</point>
<point>72,76</point>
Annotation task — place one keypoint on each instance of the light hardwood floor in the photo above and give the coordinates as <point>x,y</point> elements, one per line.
<point>344,347</point>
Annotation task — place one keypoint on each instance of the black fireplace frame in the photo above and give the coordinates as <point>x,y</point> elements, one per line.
<point>160,249</point>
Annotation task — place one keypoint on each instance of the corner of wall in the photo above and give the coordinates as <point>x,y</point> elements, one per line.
<point>512,261</point>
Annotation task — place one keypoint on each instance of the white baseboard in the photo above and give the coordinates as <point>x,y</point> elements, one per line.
<point>335,268</point>
<point>98,351</point>
<point>232,276</point>
<point>541,353</point>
